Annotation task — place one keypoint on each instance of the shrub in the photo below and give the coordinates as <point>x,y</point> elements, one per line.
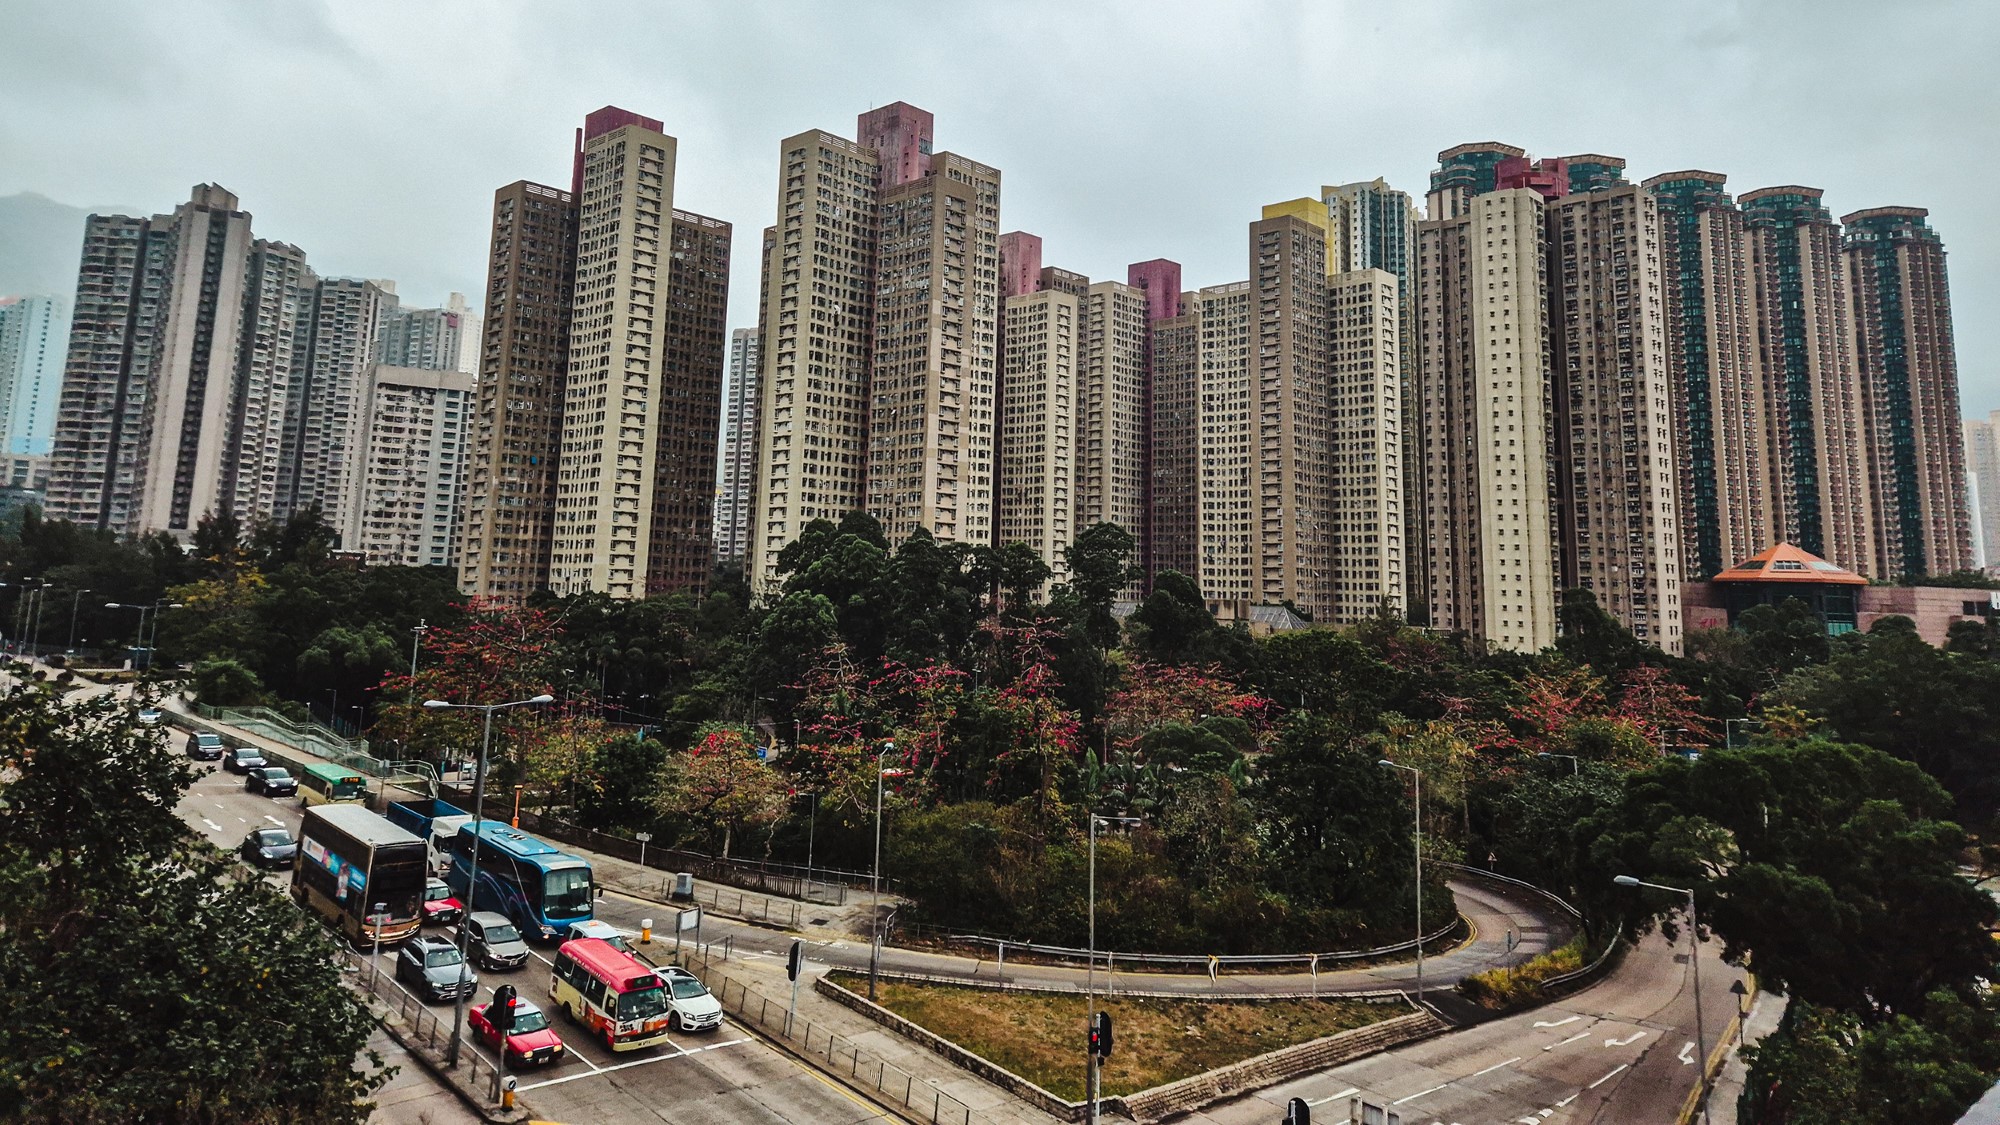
<point>1502,989</point>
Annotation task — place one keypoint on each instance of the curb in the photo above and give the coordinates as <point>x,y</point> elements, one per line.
<point>446,1075</point>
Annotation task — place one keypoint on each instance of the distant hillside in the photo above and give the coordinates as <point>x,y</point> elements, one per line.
<point>40,241</point>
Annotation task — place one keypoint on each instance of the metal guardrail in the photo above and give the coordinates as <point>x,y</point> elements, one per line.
<point>1585,973</point>
<point>829,1052</point>
<point>1483,873</point>
<point>1202,962</point>
<point>419,1023</point>
<point>309,737</point>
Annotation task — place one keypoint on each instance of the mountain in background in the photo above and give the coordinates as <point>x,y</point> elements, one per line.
<point>40,242</point>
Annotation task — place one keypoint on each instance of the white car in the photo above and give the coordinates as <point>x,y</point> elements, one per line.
<point>690,1005</point>
<point>603,931</point>
<point>150,716</point>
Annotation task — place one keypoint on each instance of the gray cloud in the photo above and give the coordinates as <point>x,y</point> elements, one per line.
<point>372,132</point>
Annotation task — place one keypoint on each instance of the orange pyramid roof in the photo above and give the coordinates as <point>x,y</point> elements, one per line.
<point>1783,562</point>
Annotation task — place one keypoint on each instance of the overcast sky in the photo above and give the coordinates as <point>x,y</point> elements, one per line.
<point>373,132</point>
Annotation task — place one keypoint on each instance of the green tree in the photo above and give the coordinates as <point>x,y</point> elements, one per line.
<point>1814,859</point>
<point>1100,567</point>
<point>149,978</point>
<point>221,682</point>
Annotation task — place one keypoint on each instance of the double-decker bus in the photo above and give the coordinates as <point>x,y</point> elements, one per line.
<point>324,783</point>
<point>610,992</point>
<point>350,859</point>
<point>540,888</point>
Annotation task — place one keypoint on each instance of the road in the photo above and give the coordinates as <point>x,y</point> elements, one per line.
<point>1494,910</point>
<point>1619,1053</point>
<point>723,1077</point>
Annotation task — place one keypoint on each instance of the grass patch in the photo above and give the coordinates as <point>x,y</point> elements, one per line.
<point>1040,1036</point>
<point>1501,989</point>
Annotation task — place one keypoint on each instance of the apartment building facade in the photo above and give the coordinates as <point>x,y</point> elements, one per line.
<point>1038,414</point>
<point>737,477</point>
<point>34,339</point>
<point>403,510</point>
<point>1908,366</point>
<point>882,338</point>
<point>508,508</point>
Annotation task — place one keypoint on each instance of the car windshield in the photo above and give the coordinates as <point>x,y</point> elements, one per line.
<point>687,988</point>
<point>249,755</point>
<point>273,837</point>
<point>566,893</point>
<point>443,957</point>
<point>273,773</point>
<point>643,1003</point>
<point>530,1021</point>
<point>496,934</point>
<point>436,892</point>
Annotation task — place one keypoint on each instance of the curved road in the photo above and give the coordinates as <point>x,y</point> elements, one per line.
<point>1493,910</point>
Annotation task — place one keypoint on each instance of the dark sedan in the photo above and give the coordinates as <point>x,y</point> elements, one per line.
<point>269,847</point>
<point>243,759</point>
<point>271,781</point>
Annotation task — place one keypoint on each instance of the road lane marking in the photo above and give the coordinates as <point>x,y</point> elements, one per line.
<point>1421,1093</point>
<point>1608,1077</point>
<point>1558,1023</point>
<point>1565,1101</point>
<point>1685,1060</point>
<point>1494,1067</point>
<point>212,826</point>
<point>1566,1042</point>
<point>1627,1041</point>
<point>680,1054</point>
<point>240,820</point>
<point>274,820</point>
<point>1336,1097</point>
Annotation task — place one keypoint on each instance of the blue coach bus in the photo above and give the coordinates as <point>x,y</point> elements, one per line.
<point>540,888</point>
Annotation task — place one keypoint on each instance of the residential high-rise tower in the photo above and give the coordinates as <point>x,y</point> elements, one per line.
<point>509,500</point>
<point>739,448</point>
<point>1908,368</point>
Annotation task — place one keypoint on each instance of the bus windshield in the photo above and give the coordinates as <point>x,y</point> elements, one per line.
<point>566,893</point>
<point>643,1003</point>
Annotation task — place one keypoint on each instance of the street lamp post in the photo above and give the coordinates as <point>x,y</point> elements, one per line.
<point>417,632</point>
<point>875,880</point>
<point>1090,978</point>
<point>75,604</point>
<point>1694,961</point>
<point>1729,730</point>
<point>1571,757</point>
<point>478,842</point>
<point>145,609</point>
<point>1417,778</point>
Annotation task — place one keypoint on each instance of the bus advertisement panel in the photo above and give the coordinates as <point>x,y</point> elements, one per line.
<point>541,889</point>
<point>350,859</point>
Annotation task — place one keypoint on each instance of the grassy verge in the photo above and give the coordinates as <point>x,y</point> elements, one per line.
<point>1040,1036</point>
<point>1501,989</point>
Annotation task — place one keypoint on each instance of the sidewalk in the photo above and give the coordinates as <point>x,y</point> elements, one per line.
<point>879,1048</point>
<point>1765,1013</point>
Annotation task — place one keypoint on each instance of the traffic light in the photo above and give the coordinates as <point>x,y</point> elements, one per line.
<point>1100,1034</point>
<point>795,960</point>
<point>501,1013</point>
<point>1297,1112</point>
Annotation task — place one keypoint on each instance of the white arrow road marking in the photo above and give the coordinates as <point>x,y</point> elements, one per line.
<point>1608,1077</point>
<point>1336,1097</point>
<point>1421,1093</point>
<point>1566,1042</point>
<point>1627,1041</point>
<point>212,826</point>
<point>1685,1060</point>
<point>1558,1023</point>
<point>1494,1067</point>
